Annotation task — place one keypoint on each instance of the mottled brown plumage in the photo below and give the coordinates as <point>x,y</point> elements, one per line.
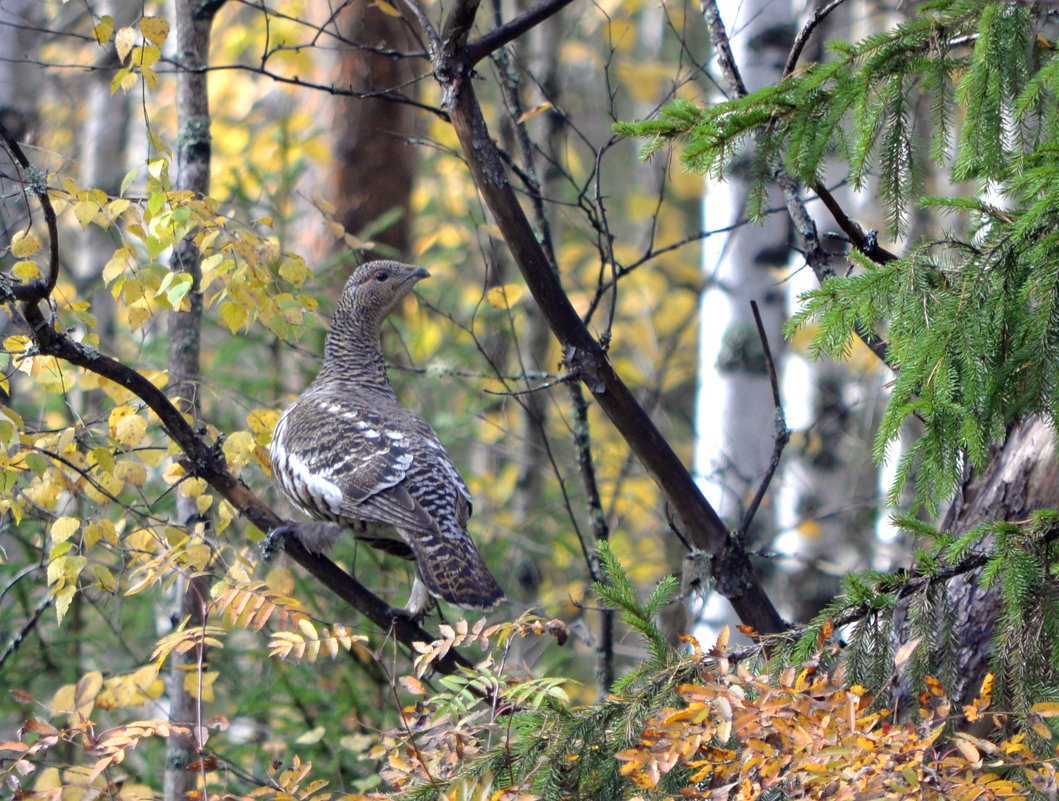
<point>352,458</point>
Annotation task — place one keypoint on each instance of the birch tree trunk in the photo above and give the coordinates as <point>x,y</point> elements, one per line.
<point>734,409</point>
<point>193,21</point>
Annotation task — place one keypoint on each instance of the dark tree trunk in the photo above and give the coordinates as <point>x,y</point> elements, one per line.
<point>1023,477</point>
<point>374,160</point>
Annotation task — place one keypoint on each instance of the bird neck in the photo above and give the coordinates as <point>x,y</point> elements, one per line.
<point>353,352</point>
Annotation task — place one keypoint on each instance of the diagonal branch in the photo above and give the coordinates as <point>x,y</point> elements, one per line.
<point>735,577</point>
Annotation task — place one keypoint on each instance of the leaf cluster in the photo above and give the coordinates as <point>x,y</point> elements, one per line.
<point>1013,562</point>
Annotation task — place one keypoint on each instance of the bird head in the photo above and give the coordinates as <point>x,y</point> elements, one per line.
<point>376,288</point>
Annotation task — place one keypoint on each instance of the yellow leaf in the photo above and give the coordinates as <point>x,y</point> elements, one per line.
<point>146,56</point>
<point>86,212</point>
<point>502,297</point>
<point>191,684</point>
<point>63,598</point>
<point>138,315</point>
<point>262,422</point>
<point>154,29</point>
<point>1046,709</point>
<point>969,752</point>
<point>124,42</point>
<point>131,471</point>
<point>193,487</point>
<point>130,430</point>
<point>173,473</point>
<point>810,529</point>
<point>26,270</point>
<point>150,77</point>
<point>117,207</point>
<point>386,8</point>
<point>905,651</point>
<point>533,112</point>
<point>312,736</point>
<point>233,314</point>
<point>239,449</point>
<point>294,270</point>
<point>104,29</point>
<point>128,81</point>
<point>64,528</point>
<point>104,579</point>
<point>79,698</point>
<point>23,244</point>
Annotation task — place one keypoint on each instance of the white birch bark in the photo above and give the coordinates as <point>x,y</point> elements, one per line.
<point>734,408</point>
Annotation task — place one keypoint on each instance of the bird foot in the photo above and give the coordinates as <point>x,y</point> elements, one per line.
<point>276,541</point>
<point>411,615</point>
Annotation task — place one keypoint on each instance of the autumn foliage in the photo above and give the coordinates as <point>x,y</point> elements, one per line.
<point>740,735</point>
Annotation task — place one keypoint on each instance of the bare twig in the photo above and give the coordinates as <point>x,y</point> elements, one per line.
<point>27,627</point>
<point>725,60</point>
<point>600,533</point>
<point>802,38</point>
<point>783,434</point>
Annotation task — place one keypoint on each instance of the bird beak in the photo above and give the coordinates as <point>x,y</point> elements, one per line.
<point>417,275</point>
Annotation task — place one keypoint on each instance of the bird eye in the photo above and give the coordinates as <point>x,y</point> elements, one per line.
<point>382,275</point>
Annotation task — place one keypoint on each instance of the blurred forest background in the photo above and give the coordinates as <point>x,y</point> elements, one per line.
<point>204,246</point>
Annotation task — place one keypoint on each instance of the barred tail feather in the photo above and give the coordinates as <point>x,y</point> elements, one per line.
<point>451,569</point>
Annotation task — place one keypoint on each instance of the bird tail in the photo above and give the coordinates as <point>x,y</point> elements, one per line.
<point>451,568</point>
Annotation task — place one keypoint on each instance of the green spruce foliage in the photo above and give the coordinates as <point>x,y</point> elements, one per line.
<point>970,314</point>
<point>970,310</point>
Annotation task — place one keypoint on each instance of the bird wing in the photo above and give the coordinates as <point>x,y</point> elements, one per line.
<point>368,453</point>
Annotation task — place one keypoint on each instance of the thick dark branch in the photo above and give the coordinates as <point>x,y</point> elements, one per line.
<point>454,36</point>
<point>582,352</point>
<point>867,244</point>
<point>498,37</point>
